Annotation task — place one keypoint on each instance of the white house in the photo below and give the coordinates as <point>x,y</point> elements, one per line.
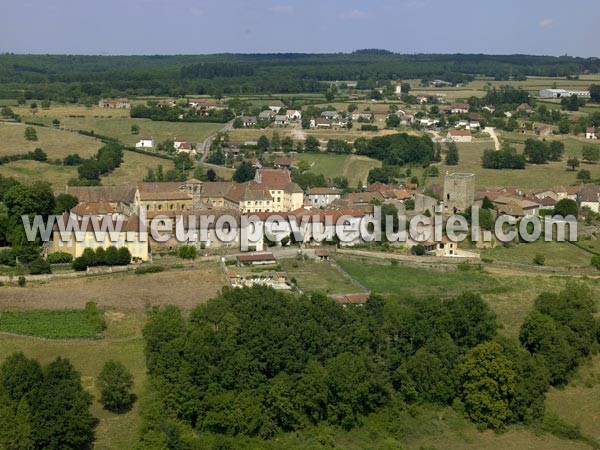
<point>293,114</point>
<point>590,133</point>
<point>276,106</point>
<point>320,123</point>
<point>280,119</point>
<point>459,108</point>
<point>145,142</point>
<point>322,196</point>
<point>459,136</point>
<point>331,115</point>
<point>561,93</point>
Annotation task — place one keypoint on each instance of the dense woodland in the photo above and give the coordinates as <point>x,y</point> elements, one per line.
<point>254,362</point>
<point>79,78</point>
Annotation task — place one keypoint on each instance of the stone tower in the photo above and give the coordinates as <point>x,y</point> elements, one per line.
<point>459,192</point>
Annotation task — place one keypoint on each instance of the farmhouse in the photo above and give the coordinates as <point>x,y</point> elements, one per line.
<point>114,103</point>
<point>352,299</point>
<point>145,142</point>
<point>459,136</point>
<point>331,115</point>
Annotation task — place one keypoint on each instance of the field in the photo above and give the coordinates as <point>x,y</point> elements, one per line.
<point>66,324</point>
<point>509,294</point>
<point>123,343</point>
<point>117,123</point>
<point>577,403</point>
<point>354,167</point>
<point>56,143</point>
<point>185,288</point>
<point>319,276</point>
<point>558,254</point>
<point>533,176</point>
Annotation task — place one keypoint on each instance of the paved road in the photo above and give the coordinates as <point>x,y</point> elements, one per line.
<point>205,146</point>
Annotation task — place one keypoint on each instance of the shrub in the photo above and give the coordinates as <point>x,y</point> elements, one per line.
<point>539,259</point>
<point>187,252</point>
<point>596,261</point>
<point>148,269</point>
<point>60,258</point>
<point>39,266</point>
<point>419,249</point>
<point>22,281</point>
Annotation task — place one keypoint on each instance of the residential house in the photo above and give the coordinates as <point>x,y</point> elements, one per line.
<point>256,259</point>
<point>320,123</point>
<point>293,114</point>
<point>276,106</point>
<point>267,115</point>
<point>145,142</point>
<point>281,119</point>
<point>331,115</point>
<point>525,108</point>
<point>248,121</point>
<point>459,136</point>
<point>589,196</point>
<point>322,196</point>
<point>590,133</point>
<point>282,163</point>
<point>459,108</point>
<point>397,87</point>
<point>115,103</point>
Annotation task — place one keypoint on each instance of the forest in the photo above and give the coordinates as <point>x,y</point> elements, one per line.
<point>79,78</point>
<point>253,362</point>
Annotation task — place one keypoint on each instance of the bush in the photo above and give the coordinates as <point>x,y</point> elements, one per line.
<point>148,269</point>
<point>419,249</point>
<point>22,281</point>
<point>60,258</point>
<point>115,382</point>
<point>39,266</point>
<point>187,252</point>
<point>539,259</point>
<point>596,261</point>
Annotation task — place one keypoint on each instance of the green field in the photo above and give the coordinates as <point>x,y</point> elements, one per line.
<point>319,276</point>
<point>59,324</point>
<point>533,176</point>
<point>354,167</point>
<point>557,254</point>
<point>414,282</point>
<point>123,343</point>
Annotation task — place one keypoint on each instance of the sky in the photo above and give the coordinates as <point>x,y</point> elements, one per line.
<point>123,27</point>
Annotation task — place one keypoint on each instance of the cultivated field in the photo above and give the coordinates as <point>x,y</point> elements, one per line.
<point>557,254</point>
<point>354,167</point>
<point>185,288</point>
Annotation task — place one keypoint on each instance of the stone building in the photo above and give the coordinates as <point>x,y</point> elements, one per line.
<point>459,192</point>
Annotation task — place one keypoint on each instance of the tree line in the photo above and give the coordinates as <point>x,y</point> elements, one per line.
<point>255,362</point>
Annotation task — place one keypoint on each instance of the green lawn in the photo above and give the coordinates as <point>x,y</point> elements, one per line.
<point>319,276</point>
<point>558,254</point>
<point>411,282</point>
<point>354,167</point>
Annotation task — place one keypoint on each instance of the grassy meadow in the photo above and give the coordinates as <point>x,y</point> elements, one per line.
<point>319,276</point>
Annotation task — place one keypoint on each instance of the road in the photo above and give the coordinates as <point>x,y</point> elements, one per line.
<point>492,132</point>
<point>205,146</point>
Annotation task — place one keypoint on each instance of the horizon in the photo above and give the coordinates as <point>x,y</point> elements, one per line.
<point>200,27</point>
